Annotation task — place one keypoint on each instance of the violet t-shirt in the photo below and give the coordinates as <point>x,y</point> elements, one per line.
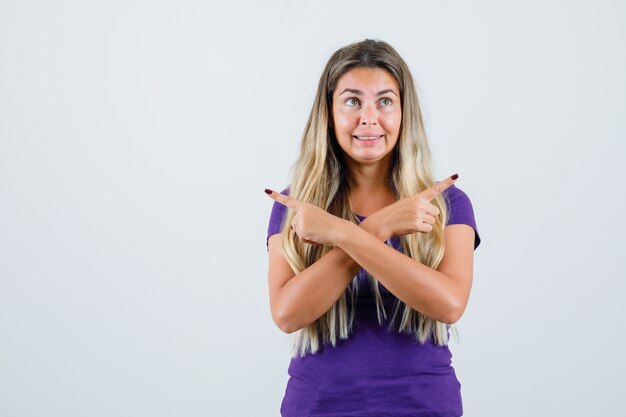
<point>376,371</point>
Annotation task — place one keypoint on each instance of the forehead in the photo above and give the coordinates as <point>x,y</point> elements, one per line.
<point>368,80</point>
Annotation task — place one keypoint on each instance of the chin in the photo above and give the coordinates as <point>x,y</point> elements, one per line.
<point>369,159</point>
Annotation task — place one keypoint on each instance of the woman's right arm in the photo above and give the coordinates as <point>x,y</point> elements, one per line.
<point>298,300</point>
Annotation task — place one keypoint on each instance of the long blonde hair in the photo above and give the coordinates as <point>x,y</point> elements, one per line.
<point>319,177</point>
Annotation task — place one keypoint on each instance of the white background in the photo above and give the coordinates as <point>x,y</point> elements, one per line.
<point>136,138</point>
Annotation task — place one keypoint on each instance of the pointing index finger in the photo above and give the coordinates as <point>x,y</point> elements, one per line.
<point>283,199</point>
<point>440,187</point>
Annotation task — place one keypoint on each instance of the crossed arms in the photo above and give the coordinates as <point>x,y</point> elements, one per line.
<point>297,300</point>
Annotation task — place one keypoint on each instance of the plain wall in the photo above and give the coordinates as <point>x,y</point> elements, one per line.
<point>136,138</point>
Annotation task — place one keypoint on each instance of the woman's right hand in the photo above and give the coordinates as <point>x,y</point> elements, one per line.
<point>410,215</point>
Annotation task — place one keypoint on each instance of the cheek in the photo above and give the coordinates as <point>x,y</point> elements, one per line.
<point>392,123</point>
<point>345,121</point>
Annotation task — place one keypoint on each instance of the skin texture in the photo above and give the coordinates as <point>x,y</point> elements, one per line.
<point>442,294</point>
<point>366,112</point>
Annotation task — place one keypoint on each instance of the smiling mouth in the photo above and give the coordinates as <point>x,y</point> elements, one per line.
<point>366,138</point>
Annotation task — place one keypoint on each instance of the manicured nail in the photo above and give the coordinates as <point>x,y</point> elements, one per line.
<point>268,191</point>
<point>455,176</point>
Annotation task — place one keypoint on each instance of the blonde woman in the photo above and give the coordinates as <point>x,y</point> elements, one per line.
<point>370,258</point>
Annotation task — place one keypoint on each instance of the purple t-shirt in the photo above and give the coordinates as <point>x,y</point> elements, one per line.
<point>376,371</point>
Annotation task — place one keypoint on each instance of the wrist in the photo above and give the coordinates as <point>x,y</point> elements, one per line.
<point>344,230</point>
<point>370,226</point>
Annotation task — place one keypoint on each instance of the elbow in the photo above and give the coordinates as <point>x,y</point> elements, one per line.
<point>286,328</point>
<point>450,318</point>
<point>284,323</point>
<point>283,317</point>
<point>454,312</point>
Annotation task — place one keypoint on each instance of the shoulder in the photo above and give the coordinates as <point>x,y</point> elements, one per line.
<point>460,209</point>
<point>277,217</point>
<point>457,200</point>
<point>279,210</point>
<point>454,193</point>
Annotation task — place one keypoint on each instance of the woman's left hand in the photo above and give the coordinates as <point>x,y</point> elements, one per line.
<point>311,223</point>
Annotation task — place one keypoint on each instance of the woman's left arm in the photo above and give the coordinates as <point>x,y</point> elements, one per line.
<point>440,294</point>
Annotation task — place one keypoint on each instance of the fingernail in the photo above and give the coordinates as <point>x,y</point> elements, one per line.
<point>455,176</point>
<point>268,191</point>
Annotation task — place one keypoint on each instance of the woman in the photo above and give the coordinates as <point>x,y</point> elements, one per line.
<point>370,259</point>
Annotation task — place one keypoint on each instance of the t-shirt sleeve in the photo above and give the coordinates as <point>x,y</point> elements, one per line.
<point>277,217</point>
<point>461,210</point>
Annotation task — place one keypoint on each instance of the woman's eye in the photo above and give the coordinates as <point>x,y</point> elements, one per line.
<point>351,99</point>
<point>386,101</point>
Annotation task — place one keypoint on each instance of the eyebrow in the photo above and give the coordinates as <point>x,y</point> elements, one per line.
<point>359,92</point>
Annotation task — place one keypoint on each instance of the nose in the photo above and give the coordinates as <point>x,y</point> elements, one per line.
<point>369,115</point>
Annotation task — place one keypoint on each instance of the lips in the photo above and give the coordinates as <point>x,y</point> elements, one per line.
<point>367,137</point>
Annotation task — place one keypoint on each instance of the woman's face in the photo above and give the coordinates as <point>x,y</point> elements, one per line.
<point>367,114</point>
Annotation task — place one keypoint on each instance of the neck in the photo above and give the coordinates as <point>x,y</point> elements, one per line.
<point>368,177</point>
